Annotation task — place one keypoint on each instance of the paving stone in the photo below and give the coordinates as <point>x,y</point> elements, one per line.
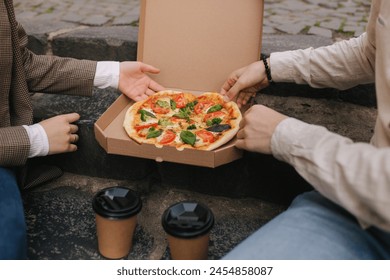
<point>298,6</point>
<point>347,10</point>
<point>289,12</point>
<point>269,30</point>
<point>291,28</point>
<point>95,20</point>
<point>334,24</point>
<point>125,20</point>
<point>26,15</point>
<point>72,17</point>
<point>349,28</point>
<point>314,2</point>
<point>320,32</point>
<point>329,5</point>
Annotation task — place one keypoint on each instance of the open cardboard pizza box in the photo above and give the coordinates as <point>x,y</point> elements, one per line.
<point>196,45</point>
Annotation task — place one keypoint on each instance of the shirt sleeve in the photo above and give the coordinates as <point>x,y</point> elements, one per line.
<point>107,74</point>
<point>39,143</point>
<point>342,65</point>
<point>353,175</point>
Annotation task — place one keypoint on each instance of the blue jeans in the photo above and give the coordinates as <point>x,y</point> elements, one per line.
<point>13,231</point>
<point>313,227</point>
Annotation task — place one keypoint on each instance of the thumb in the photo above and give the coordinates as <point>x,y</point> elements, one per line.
<point>240,144</point>
<point>233,91</point>
<point>149,68</point>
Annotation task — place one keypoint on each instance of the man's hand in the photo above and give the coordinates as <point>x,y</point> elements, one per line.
<point>61,133</point>
<point>134,81</point>
<point>256,129</point>
<point>243,83</point>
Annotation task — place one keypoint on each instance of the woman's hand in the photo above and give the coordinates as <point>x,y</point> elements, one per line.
<point>134,81</point>
<point>61,133</point>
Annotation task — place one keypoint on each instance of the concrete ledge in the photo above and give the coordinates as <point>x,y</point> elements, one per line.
<point>98,43</point>
<point>254,175</point>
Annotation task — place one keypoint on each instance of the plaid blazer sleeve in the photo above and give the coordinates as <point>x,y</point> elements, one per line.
<point>53,74</point>
<point>14,147</point>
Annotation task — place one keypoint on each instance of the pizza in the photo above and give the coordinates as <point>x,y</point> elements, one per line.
<point>183,120</point>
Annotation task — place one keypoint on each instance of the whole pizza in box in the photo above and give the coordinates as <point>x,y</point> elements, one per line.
<point>183,120</point>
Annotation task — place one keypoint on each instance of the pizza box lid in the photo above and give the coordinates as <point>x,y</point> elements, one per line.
<point>196,45</point>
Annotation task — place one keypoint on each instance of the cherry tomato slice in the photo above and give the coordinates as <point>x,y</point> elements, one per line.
<point>211,116</point>
<point>160,110</point>
<point>200,107</point>
<point>180,100</point>
<point>140,127</point>
<point>176,119</point>
<point>206,136</point>
<point>168,137</point>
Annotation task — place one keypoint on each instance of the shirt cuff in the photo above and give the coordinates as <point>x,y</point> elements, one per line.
<point>293,138</point>
<point>39,143</point>
<point>107,74</point>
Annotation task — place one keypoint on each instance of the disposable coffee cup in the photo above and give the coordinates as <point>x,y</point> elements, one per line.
<point>116,210</point>
<point>188,226</point>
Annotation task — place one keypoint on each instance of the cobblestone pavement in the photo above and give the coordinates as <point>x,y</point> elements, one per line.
<point>331,18</point>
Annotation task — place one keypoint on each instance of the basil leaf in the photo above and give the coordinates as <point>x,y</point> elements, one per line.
<point>164,122</point>
<point>145,114</point>
<point>153,133</point>
<point>215,108</point>
<point>191,105</point>
<point>173,104</point>
<point>192,126</point>
<point>183,113</point>
<point>162,104</point>
<point>214,121</point>
<point>143,117</point>
<point>219,127</point>
<point>188,137</point>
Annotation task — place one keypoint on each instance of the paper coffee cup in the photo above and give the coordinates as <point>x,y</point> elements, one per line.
<point>116,210</point>
<point>188,226</point>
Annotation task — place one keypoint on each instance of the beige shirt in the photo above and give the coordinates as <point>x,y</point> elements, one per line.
<point>354,175</point>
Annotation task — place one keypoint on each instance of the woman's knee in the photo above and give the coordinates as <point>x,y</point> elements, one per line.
<point>13,231</point>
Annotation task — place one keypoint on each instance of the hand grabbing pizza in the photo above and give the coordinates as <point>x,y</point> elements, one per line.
<point>242,84</point>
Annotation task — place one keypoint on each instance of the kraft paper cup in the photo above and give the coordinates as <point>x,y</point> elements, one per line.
<point>116,210</point>
<point>188,226</point>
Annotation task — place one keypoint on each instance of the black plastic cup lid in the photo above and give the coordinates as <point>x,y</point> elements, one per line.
<point>187,219</point>
<point>116,203</point>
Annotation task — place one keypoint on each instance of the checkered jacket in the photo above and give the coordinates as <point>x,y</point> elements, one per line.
<point>21,73</point>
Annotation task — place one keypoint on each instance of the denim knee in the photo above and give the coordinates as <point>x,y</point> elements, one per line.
<point>13,232</point>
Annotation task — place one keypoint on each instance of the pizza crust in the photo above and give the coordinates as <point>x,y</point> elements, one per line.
<point>129,120</point>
